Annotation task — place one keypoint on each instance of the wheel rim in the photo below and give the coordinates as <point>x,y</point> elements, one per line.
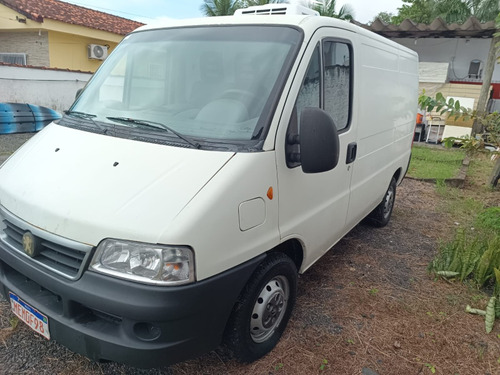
<point>269,309</point>
<point>388,202</point>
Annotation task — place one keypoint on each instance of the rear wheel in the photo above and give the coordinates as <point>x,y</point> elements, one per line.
<point>381,215</point>
<point>263,309</point>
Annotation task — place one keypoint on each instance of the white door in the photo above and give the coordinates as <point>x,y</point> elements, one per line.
<point>313,207</point>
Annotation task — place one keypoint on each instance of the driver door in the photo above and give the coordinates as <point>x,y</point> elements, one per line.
<point>313,207</point>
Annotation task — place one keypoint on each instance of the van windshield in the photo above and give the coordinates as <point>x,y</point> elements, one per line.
<point>210,85</point>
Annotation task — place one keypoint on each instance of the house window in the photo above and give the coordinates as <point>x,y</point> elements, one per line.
<point>13,58</point>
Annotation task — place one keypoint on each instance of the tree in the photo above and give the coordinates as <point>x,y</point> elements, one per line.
<point>460,10</point>
<point>451,11</point>
<point>419,11</point>
<point>327,8</point>
<point>249,3</point>
<point>487,76</point>
<point>213,8</point>
<point>484,10</point>
<point>385,17</point>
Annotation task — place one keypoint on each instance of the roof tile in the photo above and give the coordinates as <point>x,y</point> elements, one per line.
<point>438,28</point>
<point>37,10</point>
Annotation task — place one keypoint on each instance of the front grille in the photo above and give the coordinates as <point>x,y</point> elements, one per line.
<point>65,260</point>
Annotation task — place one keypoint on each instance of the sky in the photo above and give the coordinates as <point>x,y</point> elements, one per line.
<point>148,10</point>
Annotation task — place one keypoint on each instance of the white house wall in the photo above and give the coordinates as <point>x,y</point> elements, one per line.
<point>49,88</point>
<point>458,52</point>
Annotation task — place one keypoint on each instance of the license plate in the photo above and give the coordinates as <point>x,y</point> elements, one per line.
<point>29,315</point>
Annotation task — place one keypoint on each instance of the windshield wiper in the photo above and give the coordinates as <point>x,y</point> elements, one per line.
<point>86,116</point>
<point>155,125</point>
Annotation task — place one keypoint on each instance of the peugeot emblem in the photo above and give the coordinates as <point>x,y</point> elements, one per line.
<point>30,244</point>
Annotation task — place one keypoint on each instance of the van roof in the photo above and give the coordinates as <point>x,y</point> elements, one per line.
<point>293,20</point>
<point>309,23</point>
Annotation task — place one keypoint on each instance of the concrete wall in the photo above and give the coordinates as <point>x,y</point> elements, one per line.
<point>49,88</point>
<point>458,52</point>
<point>35,44</point>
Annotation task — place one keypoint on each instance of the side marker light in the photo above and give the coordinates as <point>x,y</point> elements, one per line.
<point>270,193</point>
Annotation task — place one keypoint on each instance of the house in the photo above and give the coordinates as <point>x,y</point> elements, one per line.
<point>452,59</point>
<point>452,56</point>
<point>55,34</point>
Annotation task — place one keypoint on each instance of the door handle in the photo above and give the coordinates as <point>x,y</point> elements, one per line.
<point>352,148</point>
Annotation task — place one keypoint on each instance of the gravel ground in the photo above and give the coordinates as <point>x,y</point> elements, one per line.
<point>11,142</point>
<point>367,307</point>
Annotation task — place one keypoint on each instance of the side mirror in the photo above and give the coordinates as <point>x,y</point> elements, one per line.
<point>319,141</point>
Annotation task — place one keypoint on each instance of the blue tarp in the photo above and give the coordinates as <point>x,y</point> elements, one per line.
<point>24,118</point>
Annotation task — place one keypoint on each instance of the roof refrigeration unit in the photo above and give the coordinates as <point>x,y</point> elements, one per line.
<point>276,9</point>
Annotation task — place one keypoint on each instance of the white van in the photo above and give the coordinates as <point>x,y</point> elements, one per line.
<point>205,165</point>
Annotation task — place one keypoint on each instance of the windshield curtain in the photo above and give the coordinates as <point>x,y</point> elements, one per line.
<point>214,84</point>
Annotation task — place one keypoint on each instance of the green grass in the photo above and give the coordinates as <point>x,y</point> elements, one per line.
<point>459,204</point>
<point>439,164</point>
<point>480,170</point>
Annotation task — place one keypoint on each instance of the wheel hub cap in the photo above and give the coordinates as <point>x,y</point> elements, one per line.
<point>389,201</point>
<point>269,309</point>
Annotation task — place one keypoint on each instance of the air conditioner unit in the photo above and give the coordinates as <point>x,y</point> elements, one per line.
<point>276,9</point>
<point>97,52</point>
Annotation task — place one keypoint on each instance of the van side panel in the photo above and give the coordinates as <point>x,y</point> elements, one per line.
<point>386,85</point>
<point>408,86</point>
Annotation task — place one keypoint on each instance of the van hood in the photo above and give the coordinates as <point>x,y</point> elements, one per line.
<point>88,187</point>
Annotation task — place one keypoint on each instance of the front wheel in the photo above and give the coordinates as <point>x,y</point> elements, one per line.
<point>381,215</point>
<point>263,309</point>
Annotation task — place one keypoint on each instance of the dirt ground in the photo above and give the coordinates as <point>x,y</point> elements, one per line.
<point>367,307</point>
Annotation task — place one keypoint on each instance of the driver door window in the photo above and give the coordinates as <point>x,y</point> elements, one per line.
<point>327,84</point>
<point>337,82</point>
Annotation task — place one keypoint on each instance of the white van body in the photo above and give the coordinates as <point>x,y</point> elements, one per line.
<point>235,216</point>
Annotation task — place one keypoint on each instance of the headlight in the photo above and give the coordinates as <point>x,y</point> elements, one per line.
<point>143,262</point>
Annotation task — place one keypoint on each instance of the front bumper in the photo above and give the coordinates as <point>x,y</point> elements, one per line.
<point>106,318</point>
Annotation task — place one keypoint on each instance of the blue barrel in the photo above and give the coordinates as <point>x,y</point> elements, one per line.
<point>24,118</point>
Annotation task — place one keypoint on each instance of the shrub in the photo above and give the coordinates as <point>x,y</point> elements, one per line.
<point>474,253</point>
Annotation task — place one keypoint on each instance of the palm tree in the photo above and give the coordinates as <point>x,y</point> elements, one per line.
<point>485,10</point>
<point>460,10</point>
<point>213,8</point>
<point>249,3</point>
<point>327,8</point>
<point>453,10</point>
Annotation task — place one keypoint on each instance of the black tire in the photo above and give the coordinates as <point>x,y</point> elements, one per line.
<point>263,309</point>
<point>381,215</point>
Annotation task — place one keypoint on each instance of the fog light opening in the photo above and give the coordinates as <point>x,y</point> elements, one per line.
<point>146,331</point>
